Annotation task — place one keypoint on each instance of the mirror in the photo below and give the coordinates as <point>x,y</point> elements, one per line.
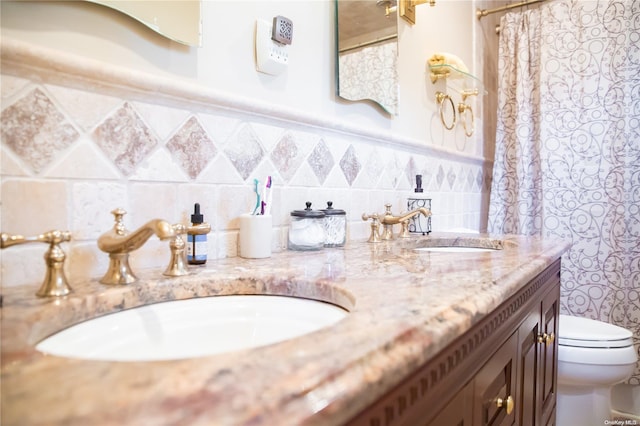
<point>178,20</point>
<point>368,51</point>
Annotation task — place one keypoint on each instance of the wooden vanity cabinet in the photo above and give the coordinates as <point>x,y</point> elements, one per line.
<point>501,372</point>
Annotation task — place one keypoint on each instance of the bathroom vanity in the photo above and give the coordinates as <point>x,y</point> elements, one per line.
<point>500,372</point>
<point>432,337</point>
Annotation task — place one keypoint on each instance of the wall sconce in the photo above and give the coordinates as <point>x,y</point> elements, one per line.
<point>408,9</point>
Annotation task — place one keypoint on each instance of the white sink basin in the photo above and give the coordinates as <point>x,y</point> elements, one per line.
<point>192,328</point>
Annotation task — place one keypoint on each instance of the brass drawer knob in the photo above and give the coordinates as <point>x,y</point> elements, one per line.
<point>507,404</point>
<point>547,339</point>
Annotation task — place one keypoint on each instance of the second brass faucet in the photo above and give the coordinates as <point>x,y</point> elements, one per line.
<point>119,242</point>
<point>388,220</point>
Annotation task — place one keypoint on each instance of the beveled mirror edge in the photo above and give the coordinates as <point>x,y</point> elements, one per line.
<point>161,17</point>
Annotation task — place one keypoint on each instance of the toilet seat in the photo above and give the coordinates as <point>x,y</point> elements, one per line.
<point>587,333</point>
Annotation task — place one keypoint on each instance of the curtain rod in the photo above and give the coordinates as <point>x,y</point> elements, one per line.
<point>480,13</point>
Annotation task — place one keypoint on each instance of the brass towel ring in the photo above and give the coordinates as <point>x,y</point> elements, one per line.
<point>462,109</point>
<point>440,99</point>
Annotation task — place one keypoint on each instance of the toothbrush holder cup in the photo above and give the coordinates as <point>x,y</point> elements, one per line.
<point>255,236</point>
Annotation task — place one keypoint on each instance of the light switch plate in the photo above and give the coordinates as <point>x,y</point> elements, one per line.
<point>271,57</point>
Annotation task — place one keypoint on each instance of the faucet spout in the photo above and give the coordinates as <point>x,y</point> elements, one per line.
<point>388,220</point>
<point>119,242</point>
<point>422,210</point>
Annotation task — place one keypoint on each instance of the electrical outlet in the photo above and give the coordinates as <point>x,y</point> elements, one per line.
<point>282,31</point>
<point>272,57</point>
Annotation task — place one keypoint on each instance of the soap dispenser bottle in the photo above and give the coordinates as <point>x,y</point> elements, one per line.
<point>197,238</point>
<point>419,224</point>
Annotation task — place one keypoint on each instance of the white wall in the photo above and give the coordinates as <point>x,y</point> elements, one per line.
<point>226,59</point>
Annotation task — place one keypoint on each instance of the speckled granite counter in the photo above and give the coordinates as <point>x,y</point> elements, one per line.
<point>405,306</point>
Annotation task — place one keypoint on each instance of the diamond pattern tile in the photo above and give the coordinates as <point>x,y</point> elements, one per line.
<point>479,179</point>
<point>374,167</point>
<point>440,177</point>
<point>470,181</point>
<point>125,139</point>
<point>350,165</point>
<point>244,151</point>
<point>192,148</point>
<point>35,130</point>
<point>451,177</point>
<point>411,170</point>
<point>286,156</point>
<point>321,161</point>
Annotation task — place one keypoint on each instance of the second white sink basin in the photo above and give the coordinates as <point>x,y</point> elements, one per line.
<point>456,249</point>
<point>192,328</point>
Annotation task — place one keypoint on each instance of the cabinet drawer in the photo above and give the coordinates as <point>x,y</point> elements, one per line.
<point>494,387</point>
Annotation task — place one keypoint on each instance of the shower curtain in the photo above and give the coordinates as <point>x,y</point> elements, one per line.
<point>567,160</point>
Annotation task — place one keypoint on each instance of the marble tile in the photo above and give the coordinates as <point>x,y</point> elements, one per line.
<point>31,207</point>
<point>162,120</point>
<point>86,109</point>
<point>321,161</point>
<point>192,148</point>
<point>244,150</point>
<point>287,156</point>
<point>350,165</point>
<point>83,160</point>
<point>125,138</point>
<point>92,203</point>
<point>36,130</point>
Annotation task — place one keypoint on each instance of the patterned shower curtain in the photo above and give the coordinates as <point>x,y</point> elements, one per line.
<point>567,160</point>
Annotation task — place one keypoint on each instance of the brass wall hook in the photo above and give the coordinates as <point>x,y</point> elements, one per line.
<point>55,282</point>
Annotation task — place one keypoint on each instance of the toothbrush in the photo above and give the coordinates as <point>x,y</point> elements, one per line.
<point>269,191</point>
<point>265,191</point>
<point>255,189</point>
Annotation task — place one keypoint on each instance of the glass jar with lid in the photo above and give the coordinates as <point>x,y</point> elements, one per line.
<point>335,226</point>
<point>306,230</point>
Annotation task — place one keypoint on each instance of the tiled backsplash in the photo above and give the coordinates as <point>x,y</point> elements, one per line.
<point>81,138</point>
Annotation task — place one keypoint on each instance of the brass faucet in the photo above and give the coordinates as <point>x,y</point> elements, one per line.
<point>119,242</point>
<point>55,283</point>
<point>388,220</point>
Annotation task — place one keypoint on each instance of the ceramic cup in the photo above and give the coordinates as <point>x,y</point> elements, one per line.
<point>255,236</point>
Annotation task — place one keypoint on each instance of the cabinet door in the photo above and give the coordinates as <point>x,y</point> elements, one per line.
<point>527,408</point>
<point>494,387</point>
<point>549,358</point>
<point>458,411</point>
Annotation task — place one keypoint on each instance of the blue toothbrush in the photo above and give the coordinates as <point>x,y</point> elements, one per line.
<point>255,189</point>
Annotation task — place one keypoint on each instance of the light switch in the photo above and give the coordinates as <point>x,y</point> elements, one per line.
<point>272,57</point>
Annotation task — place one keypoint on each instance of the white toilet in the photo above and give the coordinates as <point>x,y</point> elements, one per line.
<point>592,357</point>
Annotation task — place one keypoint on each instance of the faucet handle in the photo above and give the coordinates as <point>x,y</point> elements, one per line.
<point>118,226</point>
<point>55,283</point>
<point>177,266</point>
<point>375,227</point>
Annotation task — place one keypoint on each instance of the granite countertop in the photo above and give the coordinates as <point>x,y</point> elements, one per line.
<point>405,306</point>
